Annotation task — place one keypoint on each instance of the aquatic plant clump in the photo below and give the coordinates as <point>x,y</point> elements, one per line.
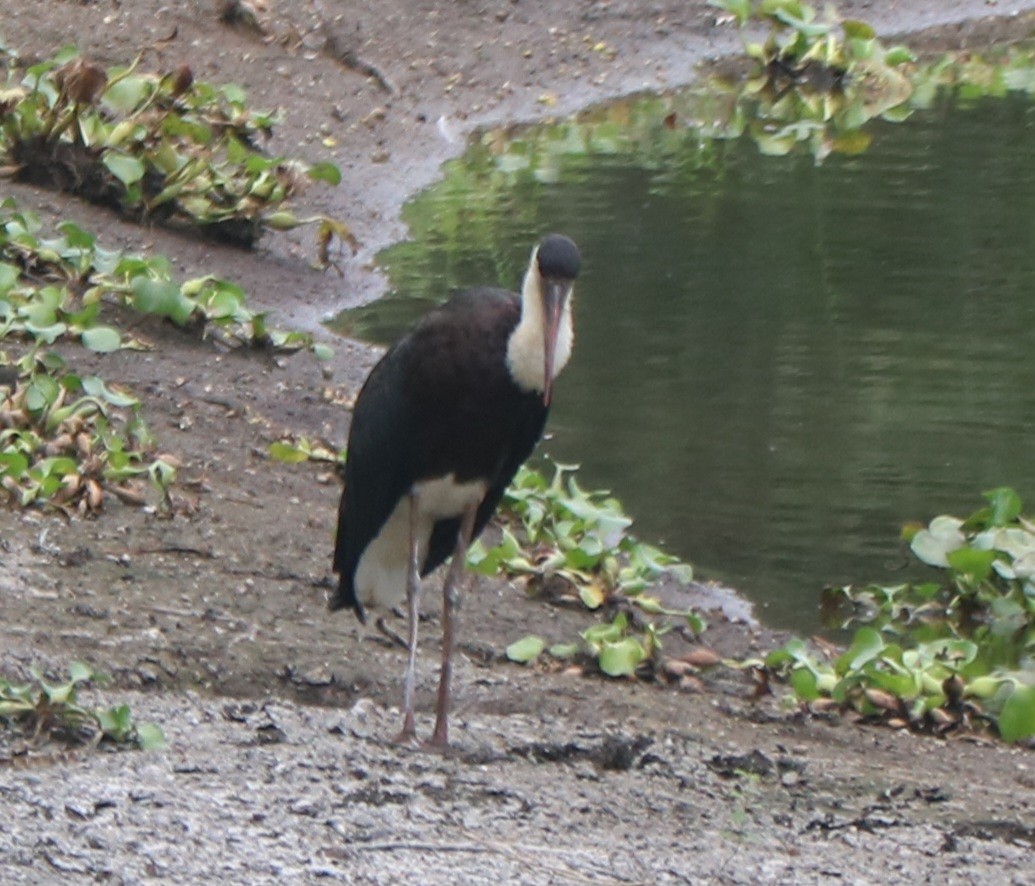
<point>819,80</point>
<point>160,147</point>
<point>54,287</point>
<point>958,652</point>
<point>68,442</point>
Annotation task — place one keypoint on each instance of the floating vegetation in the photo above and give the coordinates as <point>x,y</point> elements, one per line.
<point>157,147</point>
<point>579,537</point>
<point>954,653</point>
<point>818,80</point>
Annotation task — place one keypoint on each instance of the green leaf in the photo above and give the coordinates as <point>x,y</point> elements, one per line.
<point>622,658</point>
<point>323,352</point>
<point>150,737</point>
<point>9,275</point>
<point>1017,718</point>
<point>803,682</point>
<point>325,172</point>
<point>77,238</point>
<point>856,30</point>
<point>13,464</point>
<point>968,561</point>
<point>125,168</point>
<point>41,393</point>
<point>237,152</point>
<point>79,672</point>
<point>592,596</point>
<point>772,7</point>
<point>564,650</point>
<point>932,545</point>
<point>867,644</point>
<point>59,693</point>
<point>740,9</point>
<point>162,298</point>
<point>697,623</point>
<point>526,649</point>
<point>48,333</point>
<point>287,453</point>
<point>898,55</point>
<point>222,304</point>
<point>1005,505</point>
<point>775,144</point>
<point>95,387</point>
<point>116,723</point>
<point>281,221</point>
<point>128,93</point>
<point>102,339</point>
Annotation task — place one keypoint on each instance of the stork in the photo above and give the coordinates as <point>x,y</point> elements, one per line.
<point>438,431</point>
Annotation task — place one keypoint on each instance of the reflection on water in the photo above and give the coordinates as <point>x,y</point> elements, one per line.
<point>777,363</point>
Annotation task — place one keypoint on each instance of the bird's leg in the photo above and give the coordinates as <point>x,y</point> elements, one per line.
<point>450,603</point>
<point>409,729</point>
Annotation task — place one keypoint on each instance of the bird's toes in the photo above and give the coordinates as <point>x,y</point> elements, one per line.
<point>407,737</point>
<point>383,627</point>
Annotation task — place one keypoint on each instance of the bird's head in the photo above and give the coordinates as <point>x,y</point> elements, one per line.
<point>555,265</point>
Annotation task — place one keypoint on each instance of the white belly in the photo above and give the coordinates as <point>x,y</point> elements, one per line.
<point>381,573</point>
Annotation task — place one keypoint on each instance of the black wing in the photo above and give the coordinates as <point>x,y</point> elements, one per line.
<point>443,536</point>
<point>440,402</point>
<point>500,423</point>
<point>376,470</point>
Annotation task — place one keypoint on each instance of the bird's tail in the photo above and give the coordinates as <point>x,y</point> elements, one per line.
<point>345,598</point>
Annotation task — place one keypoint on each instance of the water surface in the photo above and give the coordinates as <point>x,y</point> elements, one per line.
<point>777,362</point>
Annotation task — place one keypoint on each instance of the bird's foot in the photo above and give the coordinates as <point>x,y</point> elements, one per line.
<point>441,746</point>
<point>382,626</point>
<point>406,737</point>
<point>408,734</point>
<point>440,737</point>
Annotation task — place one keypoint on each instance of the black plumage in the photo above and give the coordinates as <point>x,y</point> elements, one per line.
<point>422,413</point>
<point>439,429</point>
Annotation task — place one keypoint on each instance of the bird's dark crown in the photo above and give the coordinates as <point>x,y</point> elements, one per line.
<point>558,257</point>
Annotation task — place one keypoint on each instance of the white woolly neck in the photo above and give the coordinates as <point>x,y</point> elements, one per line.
<point>525,356</point>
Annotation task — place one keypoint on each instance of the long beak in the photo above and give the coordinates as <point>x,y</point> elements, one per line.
<point>555,296</point>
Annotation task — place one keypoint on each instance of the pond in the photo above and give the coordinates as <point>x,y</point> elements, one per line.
<point>778,361</point>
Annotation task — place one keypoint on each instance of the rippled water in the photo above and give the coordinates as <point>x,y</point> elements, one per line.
<point>777,363</point>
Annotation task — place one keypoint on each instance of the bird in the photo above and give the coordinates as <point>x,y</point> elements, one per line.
<point>439,428</point>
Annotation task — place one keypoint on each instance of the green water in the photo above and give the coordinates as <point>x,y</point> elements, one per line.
<point>777,363</point>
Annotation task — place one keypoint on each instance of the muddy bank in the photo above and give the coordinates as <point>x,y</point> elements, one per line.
<point>213,622</point>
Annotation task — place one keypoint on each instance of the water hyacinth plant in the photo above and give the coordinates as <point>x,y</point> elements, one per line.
<point>577,545</point>
<point>580,536</point>
<point>57,286</point>
<point>954,652</point>
<point>44,709</point>
<point>161,147</point>
<point>69,441</point>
